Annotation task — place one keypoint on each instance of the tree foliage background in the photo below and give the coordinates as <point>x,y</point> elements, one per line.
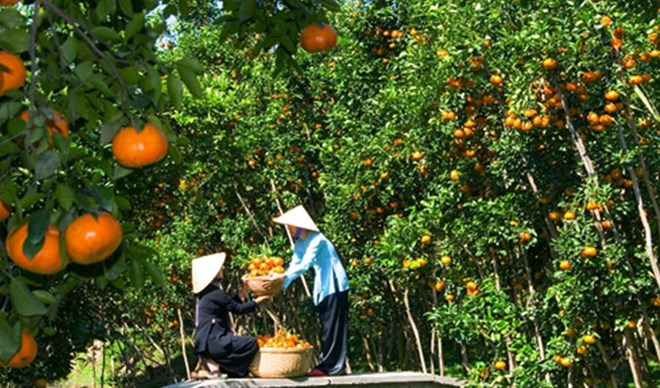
<point>456,164</point>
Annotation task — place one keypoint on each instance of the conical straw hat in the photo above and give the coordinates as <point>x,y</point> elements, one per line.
<point>299,217</point>
<point>204,270</point>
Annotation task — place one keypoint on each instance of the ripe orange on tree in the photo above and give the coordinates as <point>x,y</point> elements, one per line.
<point>592,205</point>
<point>425,239</point>
<point>496,79</point>
<point>12,72</point>
<point>318,37</point>
<point>448,116</point>
<point>5,210</point>
<point>589,339</point>
<point>5,3</point>
<point>55,123</point>
<point>525,236</point>
<point>446,260</point>
<point>25,354</point>
<point>565,265</point>
<point>611,95</point>
<point>605,20</point>
<point>439,285</point>
<point>417,155</point>
<point>549,64</point>
<point>588,252</point>
<point>47,261</point>
<point>500,365</point>
<point>135,149</point>
<point>91,239</point>
<point>472,288</point>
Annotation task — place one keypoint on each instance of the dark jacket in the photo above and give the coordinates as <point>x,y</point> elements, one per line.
<point>213,317</point>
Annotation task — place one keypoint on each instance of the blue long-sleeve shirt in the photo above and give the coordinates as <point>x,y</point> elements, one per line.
<point>317,251</point>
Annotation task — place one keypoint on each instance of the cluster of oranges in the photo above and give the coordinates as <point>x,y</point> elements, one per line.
<point>261,266</point>
<point>282,339</point>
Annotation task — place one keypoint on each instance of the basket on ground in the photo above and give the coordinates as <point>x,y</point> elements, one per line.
<point>257,286</point>
<point>282,362</point>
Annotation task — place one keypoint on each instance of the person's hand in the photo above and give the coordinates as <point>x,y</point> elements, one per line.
<point>273,280</point>
<point>263,298</point>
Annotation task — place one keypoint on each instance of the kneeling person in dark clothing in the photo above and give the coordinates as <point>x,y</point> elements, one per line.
<point>214,338</point>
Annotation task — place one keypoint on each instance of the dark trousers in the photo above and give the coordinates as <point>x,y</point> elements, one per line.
<point>333,313</point>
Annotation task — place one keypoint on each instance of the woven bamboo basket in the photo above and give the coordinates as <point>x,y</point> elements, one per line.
<point>282,362</point>
<point>256,285</point>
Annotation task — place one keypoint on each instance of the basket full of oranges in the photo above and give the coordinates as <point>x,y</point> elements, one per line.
<point>283,355</point>
<point>260,270</point>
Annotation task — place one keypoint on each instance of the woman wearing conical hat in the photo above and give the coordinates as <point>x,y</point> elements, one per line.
<point>313,249</point>
<point>215,342</point>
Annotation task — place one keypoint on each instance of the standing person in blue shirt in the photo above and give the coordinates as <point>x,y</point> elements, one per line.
<point>313,249</point>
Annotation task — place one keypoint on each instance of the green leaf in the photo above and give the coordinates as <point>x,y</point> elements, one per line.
<point>118,268</point>
<point>8,190</point>
<point>68,285</point>
<point>190,63</point>
<point>101,282</point>
<point>109,130</point>
<point>135,25</point>
<point>246,12</point>
<point>99,82</point>
<point>44,297</point>
<point>106,33</point>
<point>47,164</point>
<point>37,227</point>
<point>16,41</point>
<point>11,340</point>
<point>11,18</point>
<point>184,8</point>
<point>175,91</point>
<point>154,272</point>
<point>136,274</point>
<point>105,8</point>
<point>104,196</point>
<point>30,199</point>
<point>331,5</point>
<point>84,70</point>
<point>120,172</point>
<point>70,50</point>
<point>126,7</point>
<point>24,302</point>
<point>9,110</point>
<point>151,81</point>
<point>288,44</point>
<point>65,195</point>
<point>192,83</point>
<point>130,75</point>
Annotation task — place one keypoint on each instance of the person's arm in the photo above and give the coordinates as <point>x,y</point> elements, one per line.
<point>238,307</point>
<point>242,293</point>
<point>299,265</point>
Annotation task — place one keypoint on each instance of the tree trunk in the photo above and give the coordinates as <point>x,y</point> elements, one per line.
<point>413,325</point>
<point>182,333</point>
<point>441,359</point>
<point>633,358</point>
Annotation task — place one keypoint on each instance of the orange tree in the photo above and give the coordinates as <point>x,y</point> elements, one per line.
<point>85,116</point>
<point>487,171</point>
<point>72,74</point>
